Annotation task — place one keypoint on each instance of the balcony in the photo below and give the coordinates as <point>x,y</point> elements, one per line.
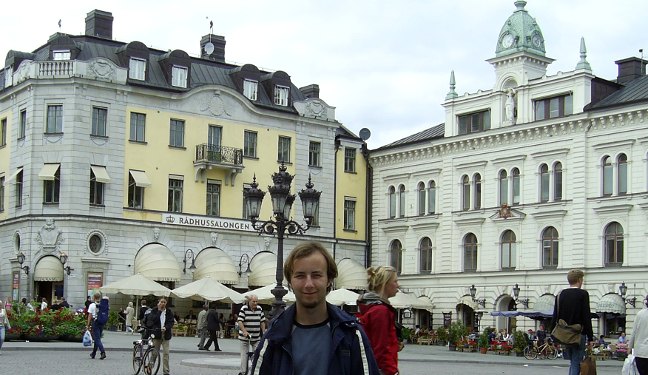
<point>220,157</point>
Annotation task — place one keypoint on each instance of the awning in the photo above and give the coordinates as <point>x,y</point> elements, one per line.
<point>263,267</point>
<point>48,268</point>
<point>13,175</point>
<point>141,179</point>
<point>48,172</point>
<point>468,301</point>
<point>539,315</point>
<point>216,264</point>
<point>545,302</point>
<point>351,275</point>
<point>611,303</point>
<point>156,262</point>
<point>101,175</point>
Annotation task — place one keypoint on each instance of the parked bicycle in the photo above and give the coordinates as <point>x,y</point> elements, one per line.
<point>146,357</point>
<point>546,350</point>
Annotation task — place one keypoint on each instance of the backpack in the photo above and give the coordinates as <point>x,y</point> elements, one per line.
<point>103,310</point>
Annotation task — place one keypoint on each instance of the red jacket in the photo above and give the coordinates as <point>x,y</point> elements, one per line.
<point>379,322</point>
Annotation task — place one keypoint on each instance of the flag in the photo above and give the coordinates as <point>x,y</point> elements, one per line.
<point>59,23</point>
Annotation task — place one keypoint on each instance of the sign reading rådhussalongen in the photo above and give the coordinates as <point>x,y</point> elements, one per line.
<point>207,222</point>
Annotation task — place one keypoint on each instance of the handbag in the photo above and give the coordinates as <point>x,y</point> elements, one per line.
<point>629,366</point>
<point>87,339</point>
<point>588,366</point>
<point>568,334</point>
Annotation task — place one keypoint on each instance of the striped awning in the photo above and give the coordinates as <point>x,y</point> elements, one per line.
<point>611,303</point>
<point>263,269</point>
<point>545,303</point>
<point>351,275</point>
<point>156,262</point>
<point>214,263</point>
<point>49,268</point>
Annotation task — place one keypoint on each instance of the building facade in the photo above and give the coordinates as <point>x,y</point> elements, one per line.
<point>126,160</point>
<point>540,174</point>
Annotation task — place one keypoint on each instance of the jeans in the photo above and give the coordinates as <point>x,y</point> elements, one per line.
<point>575,354</point>
<point>2,334</point>
<point>97,331</point>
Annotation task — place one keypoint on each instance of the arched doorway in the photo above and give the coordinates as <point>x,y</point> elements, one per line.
<point>48,279</point>
<point>506,303</point>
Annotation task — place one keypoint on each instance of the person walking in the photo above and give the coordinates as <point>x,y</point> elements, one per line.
<point>378,317</point>
<point>312,336</point>
<point>221,321</point>
<point>252,324</point>
<point>160,321</point>
<point>96,327</point>
<point>201,326</point>
<point>573,306</point>
<point>212,327</point>
<point>130,314</point>
<point>140,315</point>
<point>639,339</point>
<point>4,324</point>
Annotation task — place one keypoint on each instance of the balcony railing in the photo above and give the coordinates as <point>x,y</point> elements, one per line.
<point>219,154</point>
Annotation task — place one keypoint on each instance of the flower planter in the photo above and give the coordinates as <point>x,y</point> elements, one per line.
<point>14,337</point>
<point>71,338</point>
<point>41,338</point>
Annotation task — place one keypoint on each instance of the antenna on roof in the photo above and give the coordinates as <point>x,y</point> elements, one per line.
<point>643,66</point>
<point>209,46</point>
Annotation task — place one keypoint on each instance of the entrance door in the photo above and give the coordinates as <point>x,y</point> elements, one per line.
<point>214,143</point>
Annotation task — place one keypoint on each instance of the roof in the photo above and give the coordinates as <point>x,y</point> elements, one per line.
<point>434,132</point>
<point>635,91</point>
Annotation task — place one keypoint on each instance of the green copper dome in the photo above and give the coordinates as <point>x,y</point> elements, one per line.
<point>520,33</point>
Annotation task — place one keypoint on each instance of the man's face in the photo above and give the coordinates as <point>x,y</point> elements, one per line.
<point>254,302</point>
<point>162,305</point>
<point>309,281</point>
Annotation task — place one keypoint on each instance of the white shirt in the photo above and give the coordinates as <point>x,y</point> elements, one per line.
<point>92,310</point>
<point>43,305</point>
<point>162,318</point>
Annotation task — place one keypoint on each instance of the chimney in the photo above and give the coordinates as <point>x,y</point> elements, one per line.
<point>214,52</point>
<point>99,23</point>
<point>630,69</point>
<point>310,91</point>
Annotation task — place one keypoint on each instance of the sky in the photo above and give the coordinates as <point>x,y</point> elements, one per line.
<point>385,65</point>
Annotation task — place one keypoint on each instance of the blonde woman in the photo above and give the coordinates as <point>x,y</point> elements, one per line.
<point>130,314</point>
<point>378,317</point>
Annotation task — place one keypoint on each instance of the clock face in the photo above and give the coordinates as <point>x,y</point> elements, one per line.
<point>507,41</point>
<point>537,41</point>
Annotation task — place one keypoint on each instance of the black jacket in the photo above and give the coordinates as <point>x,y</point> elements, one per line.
<point>573,306</point>
<point>153,323</point>
<point>212,320</point>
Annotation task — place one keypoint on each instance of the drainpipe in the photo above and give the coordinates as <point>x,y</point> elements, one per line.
<point>368,202</point>
<point>335,176</point>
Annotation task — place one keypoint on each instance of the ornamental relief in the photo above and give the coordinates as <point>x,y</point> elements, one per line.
<point>101,69</point>
<point>214,104</point>
<point>49,237</point>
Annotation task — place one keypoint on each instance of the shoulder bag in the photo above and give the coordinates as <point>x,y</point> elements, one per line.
<point>568,334</point>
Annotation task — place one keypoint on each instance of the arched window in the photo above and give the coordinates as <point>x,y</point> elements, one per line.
<point>515,175</point>
<point>396,255</point>
<point>614,245</point>
<point>470,253</point>
<point>544,183</point>
<point>401,201</point>
<point>420,191</point>
<point>606,163</point>
<point>431,197</point>
<point>557,181</point>
<point>508,250</point>
<point>392,202</point>
<point>425,248</point>
<point>465,193</point>
<point>550,248</point>
<point>622,175</point>
<point>503,187</point>
<point>478,191</point>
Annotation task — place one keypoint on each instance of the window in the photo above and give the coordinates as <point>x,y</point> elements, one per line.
<point>135,193</point>
<point>507,248</point>
<point>622,174</point>
<point>137,69</point>
<point>474,122</point>
<point>179,76</point>
<point>314,149</point>
<point>283,150</point>
<point>465,193</point>
<point>214,137</point>
<point>3,132</point>
<point>175,195</point>
<point>550,248</point>
<point>250,144</point>
<point>503,187</point>
<point>614,245</point>
<point>99,121</point>
<point>349,160</point>
<point>250,89</point>
<point>425,249</point>
<point>22,130</point>
<point>420,193</point>
<point>401,201</point>
<point>96,190</point>
<point>19,189</point>
<point>213,198</point>
<point>396,255</point>
<point>607,176</point>
<point>281,95</point>
<point>392,202</point>
<point>176,136</point>
<point>558,106</point>
<point>515,175</point>
<point>54,119</point>
<point>431,197</point>
<point>52,188</point>
<point>349,213</point>
<point>557,181</point>
<point>137,127</point>
<point>478,191</point>
<point>470,252</point>
<point>2,193</point>
<point>544,183</point>
<point>61,55</point>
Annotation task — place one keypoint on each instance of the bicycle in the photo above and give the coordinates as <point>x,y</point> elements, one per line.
<point>546,350</point>
<point>146,356</point>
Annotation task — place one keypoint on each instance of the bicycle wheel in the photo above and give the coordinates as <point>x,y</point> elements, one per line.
<point>151,361</point>
<point>530,352</point>
<point>137,359</point>
<point>552,352</point>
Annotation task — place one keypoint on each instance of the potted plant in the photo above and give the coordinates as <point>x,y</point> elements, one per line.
<point>519,343</point>
<point>113,320</point>
<point>406,335</point>
<point>442,335</point>
<point>456,332</point>
<point>483,342</point>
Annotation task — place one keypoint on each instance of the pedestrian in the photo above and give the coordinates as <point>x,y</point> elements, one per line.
<point>141,313</point>
<point>639,339</point>
<point>160,321</point>
<point>212,328</point>
<point>573,306</point>
<point>4,324</point>
<point>130,314</point>
<point>43,304</point>
<point>378,317</point>
<point>312,336</point>
<point>64,304</point>
<point>95,326</point>
<point>201,326</point>
<point>221,321</point>
<point>251,323</point>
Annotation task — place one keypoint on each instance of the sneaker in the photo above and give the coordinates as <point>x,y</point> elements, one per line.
<point>103,355</point>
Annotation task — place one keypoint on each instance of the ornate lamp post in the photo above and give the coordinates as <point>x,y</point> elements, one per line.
<point>516,295</point>
<point>280,222</point>
<point>473,292</point>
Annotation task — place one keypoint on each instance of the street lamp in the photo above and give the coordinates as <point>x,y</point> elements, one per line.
<point>64,258</point>
<point>280,222</point>
<point>21,260</point>
<point>516,294</point>
<point>623,289</point>
<point>190,255</point>
<point>480,301</point>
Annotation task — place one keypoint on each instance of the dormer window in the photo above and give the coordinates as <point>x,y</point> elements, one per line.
<point>179,76</point>
<point>250,88</point>
<point>281,95</point>
<point>474,122</point>
<point>61,55</point>
<point>557,106</point>
<point>137,69</point>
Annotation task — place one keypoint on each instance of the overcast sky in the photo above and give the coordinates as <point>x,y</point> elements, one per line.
<point>384,64</point>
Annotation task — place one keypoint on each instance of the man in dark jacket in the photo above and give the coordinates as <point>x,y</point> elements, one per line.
<point>212,327</point>
<point>312,328</point>
<point>160,321</point>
